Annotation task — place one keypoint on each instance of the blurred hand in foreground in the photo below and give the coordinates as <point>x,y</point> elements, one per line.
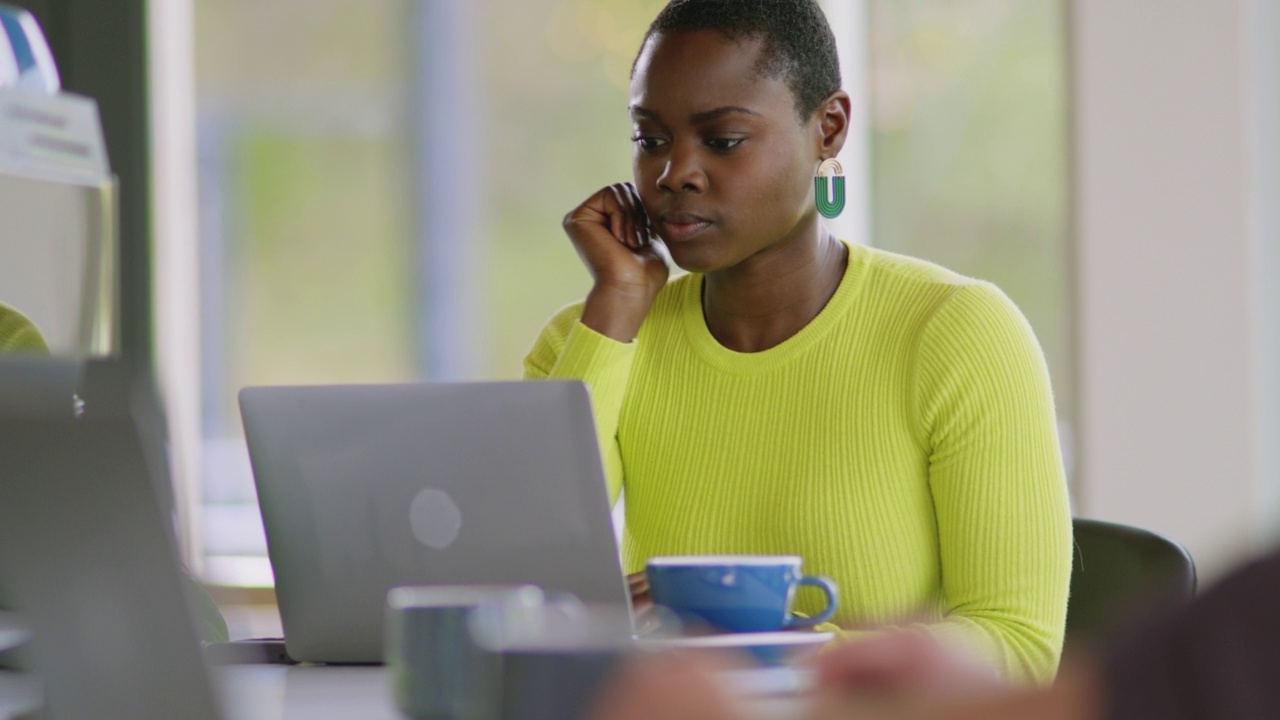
<point>899,676</point>
<point>912,676</point>
<point>667,687</point>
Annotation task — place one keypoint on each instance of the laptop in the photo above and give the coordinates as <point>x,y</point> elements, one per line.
<point>87,558</point>
<point>366,487</point>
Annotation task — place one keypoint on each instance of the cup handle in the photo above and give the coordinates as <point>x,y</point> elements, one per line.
<point>828,588</point>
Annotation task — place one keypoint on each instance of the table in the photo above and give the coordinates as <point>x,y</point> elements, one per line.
<point>317,692</point>
<point>303,692</point>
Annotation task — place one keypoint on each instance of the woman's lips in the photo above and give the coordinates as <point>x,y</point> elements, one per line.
<point>680,227</point>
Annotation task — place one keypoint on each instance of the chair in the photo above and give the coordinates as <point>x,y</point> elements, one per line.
<point>1121,572</point>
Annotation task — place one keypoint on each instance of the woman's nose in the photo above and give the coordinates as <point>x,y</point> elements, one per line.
<point>682,173</point>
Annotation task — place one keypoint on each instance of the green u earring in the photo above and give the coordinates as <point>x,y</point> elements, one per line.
<point>830,203</point>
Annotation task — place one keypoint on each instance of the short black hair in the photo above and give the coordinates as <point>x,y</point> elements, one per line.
<point>797,41</point>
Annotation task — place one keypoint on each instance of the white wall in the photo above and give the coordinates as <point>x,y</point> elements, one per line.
<point>1175,428</point>
<point>1264,69</point>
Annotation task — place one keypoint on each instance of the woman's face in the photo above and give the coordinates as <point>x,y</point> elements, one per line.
<point>723,164</point>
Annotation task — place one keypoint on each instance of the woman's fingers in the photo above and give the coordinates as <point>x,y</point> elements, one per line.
<point>624,209</point>
<point>641,217</point>
<point>620,211</point>
<point>617,213</point>
<point>638,582</point>
<point>631,233</point>
<point>641,602</point>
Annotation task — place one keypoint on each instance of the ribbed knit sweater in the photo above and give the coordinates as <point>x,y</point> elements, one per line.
<point>903,443</point>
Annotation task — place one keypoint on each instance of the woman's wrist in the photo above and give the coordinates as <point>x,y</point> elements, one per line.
<point>615,313</point>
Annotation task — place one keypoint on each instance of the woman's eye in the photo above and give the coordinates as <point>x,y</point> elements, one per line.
<point>722,144</point>
<point>647,143</point>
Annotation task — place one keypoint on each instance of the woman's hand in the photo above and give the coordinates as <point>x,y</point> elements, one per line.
<point>902,676</point>
<point>647,618</point>
<point>611,232</point>
<point>638,583</point>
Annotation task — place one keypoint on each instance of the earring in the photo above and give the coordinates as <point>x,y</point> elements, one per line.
<point>830,204</point>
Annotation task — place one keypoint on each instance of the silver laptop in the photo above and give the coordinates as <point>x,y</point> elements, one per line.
<point>365,487</point>
<point>87,556</point>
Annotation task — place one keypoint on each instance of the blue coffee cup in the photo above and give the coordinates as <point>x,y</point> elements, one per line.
<point>737,593</point>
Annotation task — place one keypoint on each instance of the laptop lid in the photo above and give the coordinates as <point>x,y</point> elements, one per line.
<point>87,556</point>
<point>365,487</point>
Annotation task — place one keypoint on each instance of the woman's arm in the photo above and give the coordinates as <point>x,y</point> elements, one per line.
<point>569,350</point>
<point>986,418</point>
<point>594,341</point>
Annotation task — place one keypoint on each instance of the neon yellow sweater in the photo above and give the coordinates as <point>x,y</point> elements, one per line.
<point>903,443</point>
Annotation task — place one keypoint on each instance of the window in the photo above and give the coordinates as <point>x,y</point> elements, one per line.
<point>333,155</point>
<point>969,152</point>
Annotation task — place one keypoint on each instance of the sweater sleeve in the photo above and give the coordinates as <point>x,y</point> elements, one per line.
<point>986,419</point>
<point>568,350</point>
<point>18,334</point>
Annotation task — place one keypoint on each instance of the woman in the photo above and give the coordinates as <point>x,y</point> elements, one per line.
<point>888,420</point>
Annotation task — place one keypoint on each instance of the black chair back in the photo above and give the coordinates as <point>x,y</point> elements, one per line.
<point>1120,573</point>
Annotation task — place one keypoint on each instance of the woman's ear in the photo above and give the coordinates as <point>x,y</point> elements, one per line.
<point>832,123</point>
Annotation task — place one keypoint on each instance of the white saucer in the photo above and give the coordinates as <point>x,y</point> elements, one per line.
<point>772,648</point>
